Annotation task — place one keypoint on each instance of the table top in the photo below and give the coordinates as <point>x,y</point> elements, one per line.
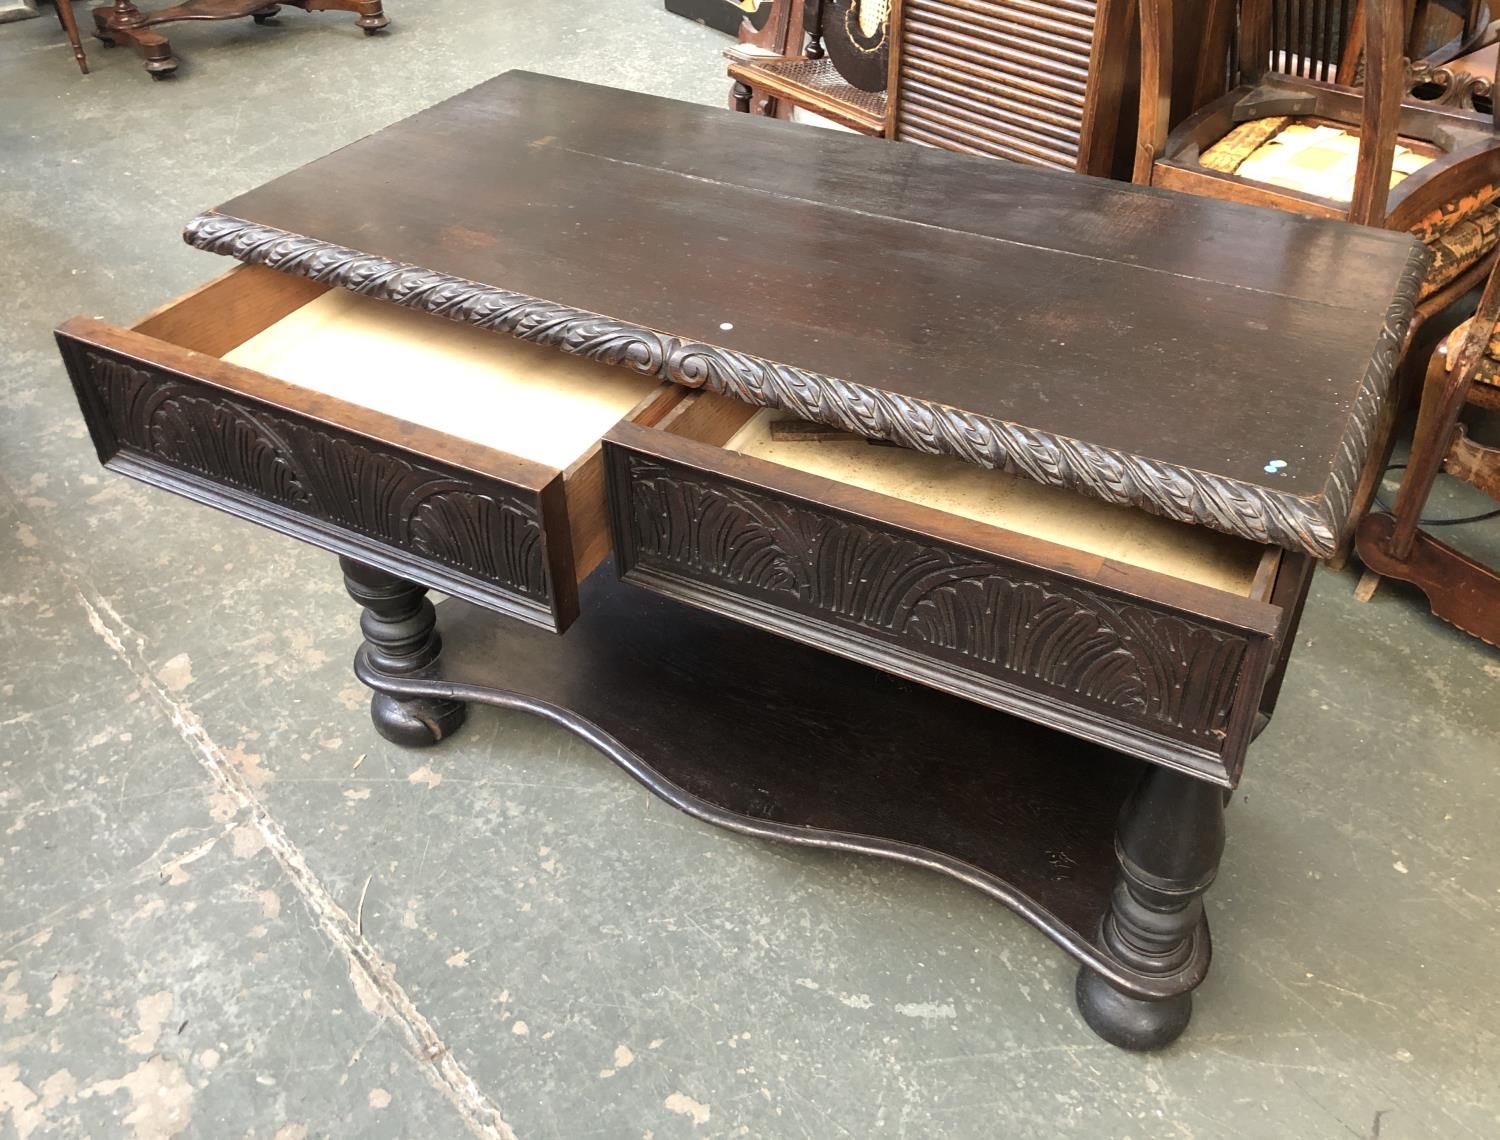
<point>1216,363</point>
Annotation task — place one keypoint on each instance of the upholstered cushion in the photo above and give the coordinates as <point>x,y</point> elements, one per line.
<point>1320,159</point>
<point>1459,233</point>
<point>1312,158</point>
<point>1239,144</point>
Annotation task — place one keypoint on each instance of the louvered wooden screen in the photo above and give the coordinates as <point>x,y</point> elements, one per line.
<point>1004,78</point>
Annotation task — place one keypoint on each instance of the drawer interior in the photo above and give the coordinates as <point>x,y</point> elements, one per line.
<point>523,399</point>
<point>1007,502</point>
<point>508,396</point>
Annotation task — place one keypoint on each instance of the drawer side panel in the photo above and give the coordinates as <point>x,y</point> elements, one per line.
<point>453,529</point>
<point>1168,686</point>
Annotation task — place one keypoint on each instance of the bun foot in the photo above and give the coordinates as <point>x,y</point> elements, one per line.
<point>1128,1022</point>
<point>401,642</point>
<point>415,723</point>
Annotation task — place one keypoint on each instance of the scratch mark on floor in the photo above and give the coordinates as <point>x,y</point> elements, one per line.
<point>371,975</point>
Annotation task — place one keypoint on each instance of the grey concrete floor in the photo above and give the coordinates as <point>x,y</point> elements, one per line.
<point>192,802</point>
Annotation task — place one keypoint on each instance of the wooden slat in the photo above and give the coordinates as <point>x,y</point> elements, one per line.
<point>1018,47</point>
<point>989,121</point>
<point>994,74</point>
<point>1080,13</point>
<point>1002,60</point>
<point>1045,151</point>
<point>1004,78</point>
<point>1066,40</point>
<point>941,133</point>
<point>1033,113</point>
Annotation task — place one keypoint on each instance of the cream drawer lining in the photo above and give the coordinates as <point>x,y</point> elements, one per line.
<point>523,399</point>
<point>946,483</point>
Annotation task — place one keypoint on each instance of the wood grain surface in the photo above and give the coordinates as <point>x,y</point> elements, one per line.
<point>1193,336</point>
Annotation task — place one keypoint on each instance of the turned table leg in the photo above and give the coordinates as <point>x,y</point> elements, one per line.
<point>401,641</point>
<point>1170,838</point>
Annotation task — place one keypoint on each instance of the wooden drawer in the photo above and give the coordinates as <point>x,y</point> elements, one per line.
<point>1155,637</point>
<point>457,457</point>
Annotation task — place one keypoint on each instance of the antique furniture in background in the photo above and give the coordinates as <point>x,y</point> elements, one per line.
<point>123,22</point>
<point>789,69</point>
<point>1292,140</point>
<point>1465,83</point>
<point>1028,646</point>
<point>1014,79</point>
<point>1465,370</point>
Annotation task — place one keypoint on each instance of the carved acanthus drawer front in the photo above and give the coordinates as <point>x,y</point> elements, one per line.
<point>1082,648</point>
<point>481,530</point>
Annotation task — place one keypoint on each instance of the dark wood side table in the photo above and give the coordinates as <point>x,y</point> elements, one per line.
<point>123,22</point>
<point>1040,678</point>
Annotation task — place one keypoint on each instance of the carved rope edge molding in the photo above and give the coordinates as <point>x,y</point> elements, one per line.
<point>1180,493</point>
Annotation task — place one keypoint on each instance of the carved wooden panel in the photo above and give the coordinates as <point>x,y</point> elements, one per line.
<point>479,529</point>
<point>1252,511</point>
<point>1166,673</point>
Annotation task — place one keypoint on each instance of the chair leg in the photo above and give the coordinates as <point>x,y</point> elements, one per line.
<point>69,24</point>
<point>1437,419</point>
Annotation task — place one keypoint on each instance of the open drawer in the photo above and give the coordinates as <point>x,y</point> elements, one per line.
<point>459,458</point>
<point>1161,639</point>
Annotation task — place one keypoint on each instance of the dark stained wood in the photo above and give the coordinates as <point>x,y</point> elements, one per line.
<point>1008,292</point>
<point>401,640</point>
<point>449,513</point>
<point>824,752</point>
<point>1462,591</point>
<point>1160,668</point>
<point>122,22</point>
<point>1170,840</point>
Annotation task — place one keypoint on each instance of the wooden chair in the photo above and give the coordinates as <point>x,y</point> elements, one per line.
<point>784,67</point>
<point>1464,371</point>
<point>1296,140</point>
<point>1036,81</point>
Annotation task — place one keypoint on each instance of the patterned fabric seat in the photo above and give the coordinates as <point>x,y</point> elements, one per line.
<point>1318,158</point>
<point>1489,366</point>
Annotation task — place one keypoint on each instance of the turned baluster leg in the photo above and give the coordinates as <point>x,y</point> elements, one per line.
<point>401,641</point>
<point>69,22</point>
<point>1170,838</point>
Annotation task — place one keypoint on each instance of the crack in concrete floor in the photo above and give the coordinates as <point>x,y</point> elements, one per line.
<point>370,975</point>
